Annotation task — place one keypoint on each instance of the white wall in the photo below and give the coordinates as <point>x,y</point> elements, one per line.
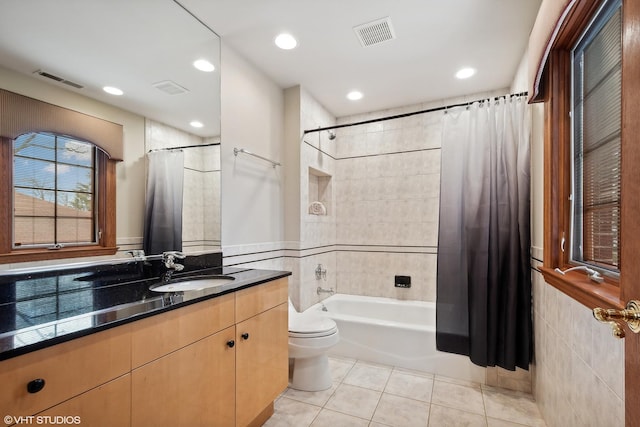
<point>252,190</point>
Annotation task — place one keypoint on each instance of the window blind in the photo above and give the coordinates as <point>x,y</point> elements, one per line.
<point>596,141</point>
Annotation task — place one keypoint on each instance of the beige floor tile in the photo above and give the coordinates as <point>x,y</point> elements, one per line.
<point>357,401</point>
<point>414,372</point>
<point>318,398</point>
<point>291,413</point>
<point>401,412</point>
<point>409,385</point>
<point>457,396</point>
<point>441,416</point>
<point>369,376</point>
<point>459,382</point>
<point>327,418</point>
<point>493,422</point>
<point>340,368</point>
<point>510,407</point>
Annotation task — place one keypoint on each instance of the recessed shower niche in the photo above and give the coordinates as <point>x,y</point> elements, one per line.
<point>319,202</point>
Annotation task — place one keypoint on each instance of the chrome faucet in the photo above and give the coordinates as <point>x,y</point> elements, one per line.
<point>169,259</point>
<point>138,254</point>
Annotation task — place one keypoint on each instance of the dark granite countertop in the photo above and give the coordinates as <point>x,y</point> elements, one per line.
<point>44,308</point>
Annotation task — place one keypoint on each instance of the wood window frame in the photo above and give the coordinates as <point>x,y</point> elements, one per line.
<point>106,191</point>
<point>557,155</point>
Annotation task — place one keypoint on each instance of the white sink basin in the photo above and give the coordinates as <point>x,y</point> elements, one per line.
<point>193,284</point>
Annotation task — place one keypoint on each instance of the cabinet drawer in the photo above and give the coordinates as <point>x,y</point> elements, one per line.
<point>158,335</point>
<point>255,300</point>
<point>68,369</point>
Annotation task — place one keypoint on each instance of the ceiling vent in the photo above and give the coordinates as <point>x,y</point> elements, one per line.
<point>169,87</point>
<point>57,78</point>
<point>375,32</point>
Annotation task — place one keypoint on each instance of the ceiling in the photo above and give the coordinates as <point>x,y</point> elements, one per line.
<point>130,44</point>
<point>434,38</point>
<point>133,44</point>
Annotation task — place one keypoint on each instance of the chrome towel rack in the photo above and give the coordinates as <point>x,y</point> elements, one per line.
<point>242,150</point>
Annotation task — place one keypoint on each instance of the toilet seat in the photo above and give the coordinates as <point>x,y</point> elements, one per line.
<point>310,326</point>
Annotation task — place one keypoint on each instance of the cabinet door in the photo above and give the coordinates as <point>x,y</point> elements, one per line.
<point>68,369</point>
<point>262,362</point>
<point>105,406</point>
<point>193,386</point>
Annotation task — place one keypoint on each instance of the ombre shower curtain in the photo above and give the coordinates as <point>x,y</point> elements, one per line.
<point>484,279</point>
<point>163,207</point>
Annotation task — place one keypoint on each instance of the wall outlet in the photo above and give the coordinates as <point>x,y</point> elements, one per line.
<point>403,282</point>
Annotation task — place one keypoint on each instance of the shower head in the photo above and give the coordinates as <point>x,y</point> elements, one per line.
<point>332,135</point>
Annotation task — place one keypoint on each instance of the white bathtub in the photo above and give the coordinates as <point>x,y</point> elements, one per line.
<point>393,332</point>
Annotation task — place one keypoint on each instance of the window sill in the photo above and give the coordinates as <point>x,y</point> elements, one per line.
<point>578,286</point>
<point>27,255</point>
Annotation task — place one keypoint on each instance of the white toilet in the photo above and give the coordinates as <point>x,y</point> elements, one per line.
<point>310,336</point>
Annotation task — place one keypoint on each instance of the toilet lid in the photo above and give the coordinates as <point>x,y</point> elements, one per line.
<point>310,325</point>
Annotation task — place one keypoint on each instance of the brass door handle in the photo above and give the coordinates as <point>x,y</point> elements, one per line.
<point>631,315</point>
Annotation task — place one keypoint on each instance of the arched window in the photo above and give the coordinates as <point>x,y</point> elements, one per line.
<point>57,192</point>
<point>54,191</point>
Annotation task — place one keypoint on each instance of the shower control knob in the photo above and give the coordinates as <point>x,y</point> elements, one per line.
<point>245,336</point>
<point>231,343</point>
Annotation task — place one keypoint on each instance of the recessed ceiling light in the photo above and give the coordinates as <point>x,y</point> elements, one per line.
<point>196,124</point>
<point>286,41</point>
<point>112,90</point>
<point>465,73</point>
<point>354,95</point>
<point>204,65</point>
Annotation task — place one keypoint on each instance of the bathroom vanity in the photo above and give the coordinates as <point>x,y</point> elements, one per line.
<point>209,357</point>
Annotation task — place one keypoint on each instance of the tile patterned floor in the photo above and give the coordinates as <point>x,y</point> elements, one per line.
<point>370,395</point>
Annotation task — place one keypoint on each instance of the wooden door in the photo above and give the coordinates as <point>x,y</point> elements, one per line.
<point>262,362</point>
<point>630,218</point>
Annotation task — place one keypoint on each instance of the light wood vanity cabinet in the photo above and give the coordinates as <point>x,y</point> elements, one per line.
<point>105,406</point>
<point>262,355</point>
<point>68,369</point>
<point>183,366</point>
<point>220,362</point>
<point>193,386</point>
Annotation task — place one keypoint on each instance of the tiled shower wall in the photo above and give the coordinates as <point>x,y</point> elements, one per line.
<point>387,193</point>
<point>317,183</point>
<point>382,206</point>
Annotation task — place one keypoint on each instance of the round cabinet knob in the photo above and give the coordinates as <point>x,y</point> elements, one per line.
<point>231,343</point>
<point>36,385</point>
<point>245,336</point>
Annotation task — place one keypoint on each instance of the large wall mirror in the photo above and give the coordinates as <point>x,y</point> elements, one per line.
<point>146,48</point>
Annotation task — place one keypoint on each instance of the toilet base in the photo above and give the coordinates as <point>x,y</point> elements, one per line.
<point>311,373</point>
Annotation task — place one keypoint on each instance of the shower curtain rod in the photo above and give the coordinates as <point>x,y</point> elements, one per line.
<point>184,146</point>
<point>413,113</point>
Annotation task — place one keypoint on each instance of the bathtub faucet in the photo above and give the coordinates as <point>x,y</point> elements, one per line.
<point>329,291</point>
